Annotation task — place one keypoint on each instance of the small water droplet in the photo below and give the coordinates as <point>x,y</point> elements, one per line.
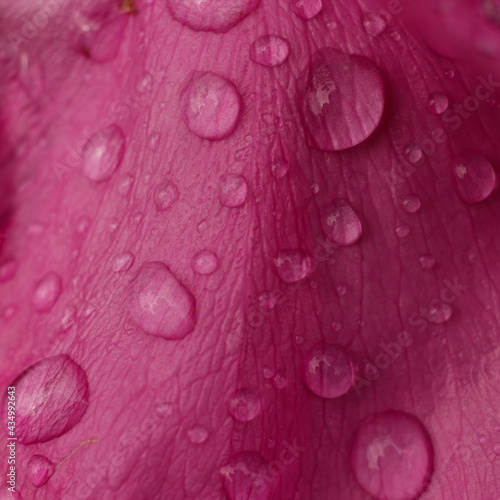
<point>427,261</point>
<point>341,289</point>
<point>336,326</point>
<point>438,103</point>
<point>153,141</point>
<point>244,405</point>
<point>39,470</point>
<point>123,262</point>
<point>198,434</point>
<point>166,194</point>
<point>233,190</point>
<point>160,304</point>
<point>268,372</point>
<point>496,449</point>
<point>403,231</point>
<point>411,204</point>
<point>374,24</point>
<point>292,265</point>
<point>315,188</point>
<point>449,73</point>
<point>267,300</point>
<point>474,176</point>
<point>125,184</point>
<point>269,50</point>
<point>47,292</point>
<point>68,319</point>
<point>389,445</point>
<point>306,9</point>
<point>482,439</point>
<point>395,35</point>
<point>439,312</point>
<point>103,153</point>
<point>164,409</point>
<point>8,269</point>
<point>299,339</point>
<point>341,224</point>
<point>210,106</point>
<point>413,153</point>
<point>9,312</point>
<point>328,370</point>
<point>205,262</point>
<point>106,42</point>
<point>271,442</point>
<point>331,25</point>
<point>280,380</point>
<point>280,168</point>
<point>202,225</point>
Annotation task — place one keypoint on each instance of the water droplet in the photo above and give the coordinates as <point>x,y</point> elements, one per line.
<point>449,73</point>
<point>299,339</point>
<point>403,231</point>
<point>328,370</point>
<point>47,292</point>
<point>392,455</point>
<point>413,153</point>
<point>198,434</point>
<point>267,300</point>
<point>280,380</point>
<point>334,119</point>
<point>341,224</point>
<point>52,396</point>
<point>103,153</point>
<point>280,168</point>
<point>438,103</point>
<point>125,184</point>
<point>164,409</point>
<point>374,24</point>
<point>160,304</point>
<point>474,176</point>
<point>496,449</point>
<point>315,188</point>
<point>233,190</point>
<point>82,225</point>
<point>411,204</point>
<point>210,105</point>
<point>247,477</point>
<point>341,289</point>
<point>39,470</point>
<point>271,442</point>
<point>205,262</point>
<point>8,269</point>
<point>268,372</point>
<point>106,43</point>
<point>439,312</point>
<point>123,262</point>
<point>292,265</point>
<point>153,141</point>
<point>336,326</point>
<point>395,36</point>
<point>331,25</point>
<point>68,318</point>
<point>482,439</point>
<point>306,9</point>
<point>269,50</point>
<point>9,312</point>
<point>166,194</point>
<point>427,261</point>
<point>214,15</point>
<point>244,405</point>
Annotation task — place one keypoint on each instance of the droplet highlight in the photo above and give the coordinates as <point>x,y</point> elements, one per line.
<point>210,106</point>
<point>328,370</point>
<point>47,292</point>
<point>392,456</point>
<point>342,99</point>
<point>269,50</point>
<point>205,262</point>
<point>233,190</point>
<point>160,304</point>
<point>292,265</point>
<point>52,396</point>
<point>244,405</point>
<point>341,224</point>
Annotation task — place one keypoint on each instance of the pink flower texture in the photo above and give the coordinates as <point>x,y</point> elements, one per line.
<point>249,250</point>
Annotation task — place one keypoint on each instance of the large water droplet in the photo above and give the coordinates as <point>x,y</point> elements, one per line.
<point>342,99</point>
<point>411,204</point>
<point>8,269</point>
<point>210,106</point>
<point>392,456</point>
<point>166,194</point>
<point>106,43</point>
<point>438,103</point>
<point>328,370</point>
<point>341,224</point>
<point>52,396</point>
<point>233,190</point>
<point>306,9</point>
<point>269,50</point>
<point>197,434</point>
<point>123,262</point>
<point>160,304</point>
<point>103,153</point>
<point>439,312</point>
<point>373,23</point>
<point>47,292</point>
<point>244,405</point>
<point>247,477</point>
<point>292,265</point>
<point>39,470</point>
<point>474,177</point>
<point>212,15</point>
<point>205,262</point>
